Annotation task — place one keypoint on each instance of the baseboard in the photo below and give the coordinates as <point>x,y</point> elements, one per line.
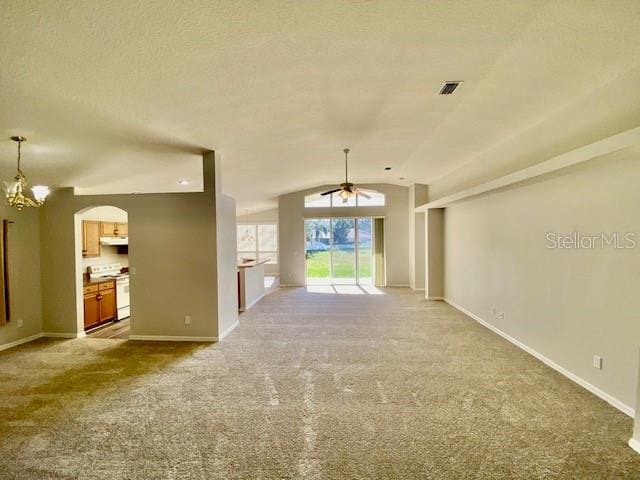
<point>289,285</point>
<point>635,444</point>
<point>63,335</point>
<point>229,330</point>
<point>163,338</point>
<point>435,298</point>
<point>15,343</point>
<point>253,303</point>
<point>571,376</point>
<point>398,285</point>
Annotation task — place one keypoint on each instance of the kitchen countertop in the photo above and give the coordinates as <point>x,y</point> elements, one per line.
<point>252,263</point>
<point>86,281</point>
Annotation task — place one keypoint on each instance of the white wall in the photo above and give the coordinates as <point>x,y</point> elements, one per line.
<point>108,254</point>
<point>568,305</point>
<point>106,213</point>
<point>636,425</point>
<point>227,263</point>
<point>23,254</point>
<point>291,213</point>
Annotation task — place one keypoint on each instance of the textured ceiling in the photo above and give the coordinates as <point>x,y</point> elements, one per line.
<point>122,96</point>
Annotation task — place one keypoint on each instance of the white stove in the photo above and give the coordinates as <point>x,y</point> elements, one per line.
<point>113,270</point>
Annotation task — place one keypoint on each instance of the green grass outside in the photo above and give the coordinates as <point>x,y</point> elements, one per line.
<point>343,264</point>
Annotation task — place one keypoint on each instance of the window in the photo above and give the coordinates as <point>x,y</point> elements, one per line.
<point>258,242</point>
<point>316,200</point>
<point>338,201</point>
<point>376,200</point>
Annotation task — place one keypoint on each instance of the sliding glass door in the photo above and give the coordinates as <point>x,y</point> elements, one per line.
<point>343,250</point>
<point>339,251</point>
<point>318,251</point>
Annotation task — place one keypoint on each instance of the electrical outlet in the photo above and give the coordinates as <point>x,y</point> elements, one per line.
<point>501,315</point>
<point>597,362</point>
<point>187,319</point>
<point>20,323</point>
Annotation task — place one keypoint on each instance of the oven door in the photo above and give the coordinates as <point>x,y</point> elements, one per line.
<point>122,297</point>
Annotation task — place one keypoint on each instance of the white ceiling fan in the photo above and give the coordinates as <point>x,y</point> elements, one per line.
<point>346,189</point>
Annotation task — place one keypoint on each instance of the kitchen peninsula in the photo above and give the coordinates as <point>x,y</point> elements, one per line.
<point>250,283</point>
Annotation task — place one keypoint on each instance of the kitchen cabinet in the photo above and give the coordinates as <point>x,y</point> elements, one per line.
<point>107,229</point>
<point>91,310</point>
<point>90,238</point>
<point>107,299</point>
<point>99,304</point>
<point>113,229</point>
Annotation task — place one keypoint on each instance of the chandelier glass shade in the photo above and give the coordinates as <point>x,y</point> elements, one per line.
<point>247,236</point>
<point>15,190</point>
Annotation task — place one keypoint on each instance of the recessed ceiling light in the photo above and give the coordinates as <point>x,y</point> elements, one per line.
<point>387,168</point>
<point>183,182</point>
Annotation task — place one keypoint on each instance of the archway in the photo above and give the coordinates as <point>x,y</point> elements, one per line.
<point>102,272</point>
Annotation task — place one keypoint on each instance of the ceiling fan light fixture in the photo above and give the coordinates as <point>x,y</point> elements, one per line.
<point>345,190</point>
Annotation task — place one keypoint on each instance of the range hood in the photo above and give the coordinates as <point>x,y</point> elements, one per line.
<point>116,241</point>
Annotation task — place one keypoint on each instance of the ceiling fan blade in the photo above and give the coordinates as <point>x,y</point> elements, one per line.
<point>331,191</point>
<point>362,194</point>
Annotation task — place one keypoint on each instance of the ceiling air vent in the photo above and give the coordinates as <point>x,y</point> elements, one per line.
<point>449,88</point>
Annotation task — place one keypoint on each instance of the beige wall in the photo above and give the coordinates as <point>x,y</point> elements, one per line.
<point>270,215</point>
<point>172,253</point>
<point>568,305</point>
<point>23,253</point>
<point>291,213</point>
<point>434,226</point>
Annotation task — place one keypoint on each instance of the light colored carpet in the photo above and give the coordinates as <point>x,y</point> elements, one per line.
<point>318,386</point>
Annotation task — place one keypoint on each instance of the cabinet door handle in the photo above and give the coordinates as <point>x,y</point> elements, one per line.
<point>99,297</point>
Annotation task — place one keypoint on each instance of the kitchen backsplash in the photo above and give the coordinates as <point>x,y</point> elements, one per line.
<point>109,254</point>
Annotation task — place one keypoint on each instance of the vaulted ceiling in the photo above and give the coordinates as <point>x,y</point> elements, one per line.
<point>122,96</point>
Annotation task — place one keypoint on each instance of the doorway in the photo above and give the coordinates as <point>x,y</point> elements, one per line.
<point>339,251</point>
<point>102,269</point>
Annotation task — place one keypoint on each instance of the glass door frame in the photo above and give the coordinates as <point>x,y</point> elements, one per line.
<point>356,248</point>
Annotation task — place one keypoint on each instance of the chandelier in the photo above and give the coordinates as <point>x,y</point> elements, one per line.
<point>247,236</point>
<point>14,189</point>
